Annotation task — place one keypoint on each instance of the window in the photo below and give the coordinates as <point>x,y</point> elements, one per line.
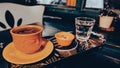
<point>92,5</point>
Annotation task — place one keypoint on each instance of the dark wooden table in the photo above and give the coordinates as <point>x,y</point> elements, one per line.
<point>106,55</point>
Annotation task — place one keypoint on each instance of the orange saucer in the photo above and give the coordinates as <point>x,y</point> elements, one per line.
<point>11,54</point>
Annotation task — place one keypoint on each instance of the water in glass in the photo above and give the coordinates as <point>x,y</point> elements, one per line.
<point>84,26</point>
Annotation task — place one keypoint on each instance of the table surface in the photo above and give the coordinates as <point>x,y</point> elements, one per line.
<point>107,54</point>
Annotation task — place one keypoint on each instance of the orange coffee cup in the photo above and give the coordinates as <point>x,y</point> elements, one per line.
<point>64,38</point>
<point>27,39</point>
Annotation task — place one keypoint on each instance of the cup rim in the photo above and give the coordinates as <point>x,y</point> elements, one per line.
<point>24,26</point>
<point>71,35</point>
<point>106,16</point>
<point>90,19</point>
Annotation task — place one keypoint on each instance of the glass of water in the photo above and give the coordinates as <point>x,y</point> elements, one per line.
<point>84,26</point>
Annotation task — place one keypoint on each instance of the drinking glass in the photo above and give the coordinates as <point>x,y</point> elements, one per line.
<point>84,26</point>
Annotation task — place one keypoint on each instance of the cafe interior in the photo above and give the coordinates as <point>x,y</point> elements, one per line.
<point>66,33</point>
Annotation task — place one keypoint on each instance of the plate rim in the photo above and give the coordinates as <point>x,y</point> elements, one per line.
<point>49,46</point>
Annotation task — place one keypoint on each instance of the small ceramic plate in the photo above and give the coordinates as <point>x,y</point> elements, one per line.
<point>11,54</point>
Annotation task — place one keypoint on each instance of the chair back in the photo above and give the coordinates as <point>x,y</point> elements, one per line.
<point>12,15</point>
